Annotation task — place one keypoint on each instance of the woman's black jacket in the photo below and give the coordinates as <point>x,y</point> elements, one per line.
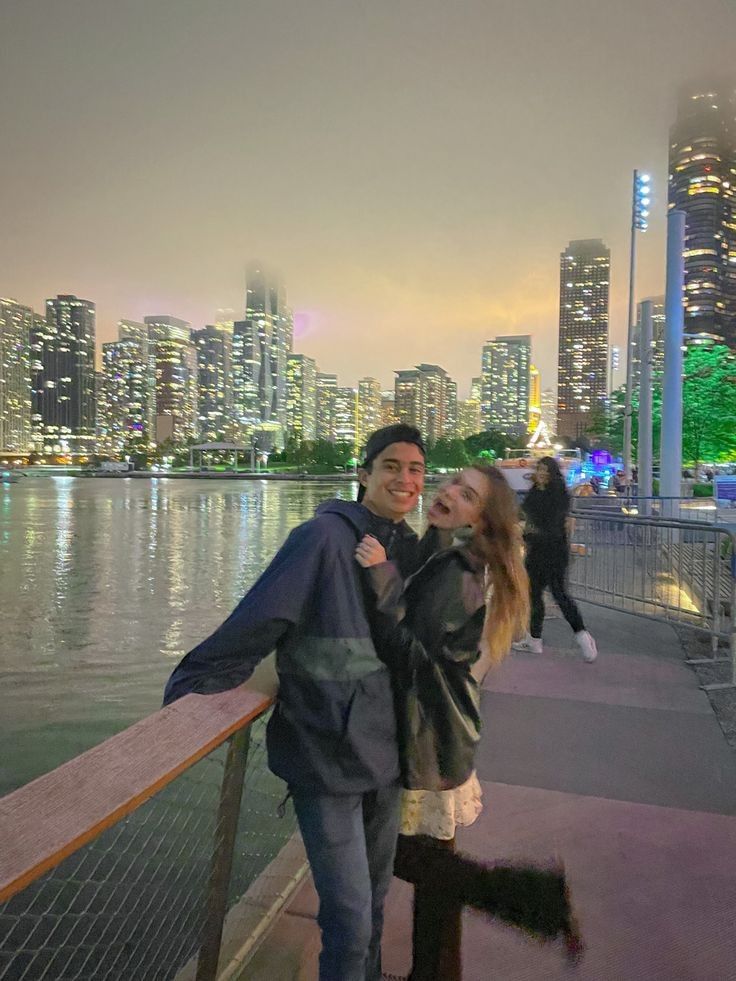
<point>428,633</point>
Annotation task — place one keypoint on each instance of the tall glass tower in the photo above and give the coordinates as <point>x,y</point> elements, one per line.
<point>505,380</point>
<point>582,357</point>
<point>63,377</point>
<point>702,174</point>
<point>16,324</point>
<point>270,320</point>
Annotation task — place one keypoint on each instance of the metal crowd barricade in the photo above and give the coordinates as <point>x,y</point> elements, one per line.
<point>700,509</point>
<point>122,863</point>
<point>662,568</point>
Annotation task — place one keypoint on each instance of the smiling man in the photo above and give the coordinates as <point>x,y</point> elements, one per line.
<point>332,735</point>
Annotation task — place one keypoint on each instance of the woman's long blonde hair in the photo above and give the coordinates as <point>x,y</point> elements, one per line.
<point>498,543</point>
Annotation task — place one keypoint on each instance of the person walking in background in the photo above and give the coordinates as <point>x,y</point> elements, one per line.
<point>469,597</point>
<point>546,508</point>
<point>332,735</point>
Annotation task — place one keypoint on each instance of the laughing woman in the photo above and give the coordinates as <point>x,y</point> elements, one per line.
<point>468,598</point>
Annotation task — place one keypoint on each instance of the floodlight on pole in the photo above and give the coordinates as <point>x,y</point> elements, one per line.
<point>640,201</point>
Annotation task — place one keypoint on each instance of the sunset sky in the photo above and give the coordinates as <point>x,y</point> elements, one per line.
<point>414,167</point>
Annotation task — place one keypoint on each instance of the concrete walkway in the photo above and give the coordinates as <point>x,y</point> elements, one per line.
<point>620,769</point>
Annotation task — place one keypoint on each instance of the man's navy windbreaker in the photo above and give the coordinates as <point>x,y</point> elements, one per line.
<point>333,729</point>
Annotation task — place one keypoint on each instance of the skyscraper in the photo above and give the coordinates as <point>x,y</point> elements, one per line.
<point>388,409</point>
<point>369,408</point>
<point>426,397</point>
<point>535,398</point>
<point>346,417</point>
<point>272,323</point>
<point>301,398</point>
<point>407,397</point>
<point>214,383</point>
<point>582,360</point>
<point>164,328</point>
<point>505,371</point>
<point>549,410</point>
<point>63,377</point>
<point>468,418</point>
<point>16,325</point>
<point>175,372</point>
<point>701,183</point>
<point>126,394</point>
<point>246,372</point>
<point>326,394</point>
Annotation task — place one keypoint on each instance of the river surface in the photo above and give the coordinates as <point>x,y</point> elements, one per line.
<point>106,583</point>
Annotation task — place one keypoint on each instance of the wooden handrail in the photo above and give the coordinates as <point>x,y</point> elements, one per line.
<point>50,818</point>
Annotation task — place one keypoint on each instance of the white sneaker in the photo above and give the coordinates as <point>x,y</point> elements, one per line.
<point>587,646</point>
<point>532,645</point>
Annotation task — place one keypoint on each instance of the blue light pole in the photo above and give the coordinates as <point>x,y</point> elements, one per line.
<point>640,201</point>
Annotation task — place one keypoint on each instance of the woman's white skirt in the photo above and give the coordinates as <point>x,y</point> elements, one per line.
<point>439,812</point>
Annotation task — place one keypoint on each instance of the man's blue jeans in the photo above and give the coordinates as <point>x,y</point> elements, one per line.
<point>350,842</point>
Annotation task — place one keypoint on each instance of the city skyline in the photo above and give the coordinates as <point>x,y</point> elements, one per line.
<point>376,183</point>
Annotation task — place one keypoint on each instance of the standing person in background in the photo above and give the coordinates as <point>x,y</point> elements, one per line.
<point>546,508</point>
<point>469,597</point>
<point>332,735</point>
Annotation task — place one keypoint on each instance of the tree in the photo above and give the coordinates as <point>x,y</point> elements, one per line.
<point>708,404</point>
<point>450,454</point>
<point>492,444</point>
<point>708,408</point>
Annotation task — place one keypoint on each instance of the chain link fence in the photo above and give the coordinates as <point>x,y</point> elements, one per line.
<point>129,905</point>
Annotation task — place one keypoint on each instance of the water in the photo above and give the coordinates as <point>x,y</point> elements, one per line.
<point>106,583</point>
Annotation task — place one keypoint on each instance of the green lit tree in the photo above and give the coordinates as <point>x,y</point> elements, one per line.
<point>709,404</point>
<point>450,454</point>
<point>492,444</point>
<point>708,408</point>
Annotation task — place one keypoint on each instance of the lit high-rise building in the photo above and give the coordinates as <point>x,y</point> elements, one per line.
<point>246,372</point>
<point>407,396</point>
<point>505,384</point>
<point>702,175</point>
<point>346,417</point>
<point>388,409</point>
<point>535,398</point>
<point>476,388</point>
<point>175,373</point>
<point>582,360</point>
<point>450,421</point>
<point>214,383</point>
<point>225,320</point>
<point>426,397</point>
<point>369,408</point>
<point>301,398</point>
<point>549,410</point>
<point>126,392</point>
<point>271,321</point>
<point>657,338</point>
<point>468,418</point>
<point>326,394</point>
<point>16,326</point>
<point>165,328</point>
<point>63,377</point>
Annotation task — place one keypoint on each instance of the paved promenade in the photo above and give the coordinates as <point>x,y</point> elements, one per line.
<point>620,769</point>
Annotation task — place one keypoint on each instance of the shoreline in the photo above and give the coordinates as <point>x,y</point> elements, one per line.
<point>346,478</point>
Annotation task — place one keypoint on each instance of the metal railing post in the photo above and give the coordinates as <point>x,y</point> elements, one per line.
<point>732,614</point>
<point>222,858</point>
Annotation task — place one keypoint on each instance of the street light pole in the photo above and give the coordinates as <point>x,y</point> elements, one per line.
<point>644,449</point>
<point>639,215</point>
<point>670,455</point>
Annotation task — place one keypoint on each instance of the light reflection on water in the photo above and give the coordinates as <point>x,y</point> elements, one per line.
<point>106,583</point>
